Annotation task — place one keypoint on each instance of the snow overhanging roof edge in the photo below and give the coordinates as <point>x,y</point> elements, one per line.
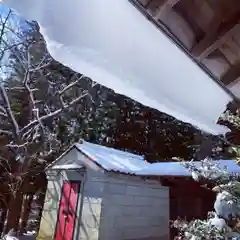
<point>107,64</point>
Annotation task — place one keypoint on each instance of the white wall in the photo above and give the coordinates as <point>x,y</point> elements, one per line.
<point>90,210</point>
<point>134,209</point>
<point>123,207</point>
<point>50,209</point>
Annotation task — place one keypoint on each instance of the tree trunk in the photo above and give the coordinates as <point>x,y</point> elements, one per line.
<point>26,211</point>
<point>3,218</point>
<point>14,212</point>
<point>41,201</point>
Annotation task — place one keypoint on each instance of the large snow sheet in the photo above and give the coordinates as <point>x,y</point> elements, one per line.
<point>113,43</point>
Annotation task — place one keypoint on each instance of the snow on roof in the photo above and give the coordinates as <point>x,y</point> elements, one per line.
<point>119,161</point>
<point>67,166</point>
<point>112,159</point>
<point>177,169</point>
<point>98,51</point>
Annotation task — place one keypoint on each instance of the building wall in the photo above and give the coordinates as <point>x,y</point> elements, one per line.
<point>122,207</point>
<point>133,209</point>
<point>91,206</point>
<point>188,199</point>
<point>50,209</point>
<point>52,199</point>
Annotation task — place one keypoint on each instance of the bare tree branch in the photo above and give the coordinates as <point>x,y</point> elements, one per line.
<point>4,24</point>
<point>64,106</point>
<point>5,132</point>
<point>32,89</point>
<point>9,111</point>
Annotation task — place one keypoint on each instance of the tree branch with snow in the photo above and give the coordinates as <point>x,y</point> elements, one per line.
<point>224,222</point>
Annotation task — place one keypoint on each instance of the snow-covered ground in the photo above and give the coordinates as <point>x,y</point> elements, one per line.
<point>23,237</point>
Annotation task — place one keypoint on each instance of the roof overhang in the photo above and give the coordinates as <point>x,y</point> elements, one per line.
<point>112,43</point>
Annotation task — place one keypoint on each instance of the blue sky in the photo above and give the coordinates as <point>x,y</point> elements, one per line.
<point>16,26</point>
<point>4,10</point>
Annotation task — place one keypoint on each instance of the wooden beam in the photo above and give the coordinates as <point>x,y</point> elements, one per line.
<point>165,7</point>
<point>230,50</point>
<point>144,3</point>
<point>159,7</point>
<point>215,36</point>
<point>218,5</point>
<point>153,5</point>
<point>232,74</point>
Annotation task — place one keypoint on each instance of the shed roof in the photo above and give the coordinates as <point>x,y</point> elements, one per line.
<point>120,161</point>
<point>177,169</point>
<point>112,159</point>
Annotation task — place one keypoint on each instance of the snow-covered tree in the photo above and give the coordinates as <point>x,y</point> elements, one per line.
<point>34,100</point>
<point>224,221</point>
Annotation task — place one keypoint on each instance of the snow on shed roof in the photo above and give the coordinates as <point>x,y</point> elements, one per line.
<point>112,159</point>
<point>67,166</point>
<point>177,169</point>
<point>119,161</point>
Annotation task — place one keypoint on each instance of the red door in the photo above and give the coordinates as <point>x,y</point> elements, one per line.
<point>67,211</point>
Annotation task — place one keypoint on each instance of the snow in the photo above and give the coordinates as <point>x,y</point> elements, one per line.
<point>112,43</point>
<point>226,204</point>
<point>223,205</point>
<point>11,238</point>
<point>111,159</point>
<point>165,169</point>
<point>67,166</point>
<point>115,160</point>
<point>29,236</point>
<point>177,169</point>
<point>219,223</point>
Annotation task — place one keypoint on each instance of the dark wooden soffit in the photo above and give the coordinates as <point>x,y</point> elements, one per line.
<point>164,7</point>
<point>232,74</point>
<point>217,33</point>
<point>158,7</point>
<point>225,21</point>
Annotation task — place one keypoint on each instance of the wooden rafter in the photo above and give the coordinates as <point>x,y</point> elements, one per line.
<point>232,74</point>
<point>160,7</point>
<point>144,2</point>
<point>165,7</point>
<point>218,32</point>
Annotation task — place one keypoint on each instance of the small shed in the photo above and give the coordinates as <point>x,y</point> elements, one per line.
<point>95,192</point>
